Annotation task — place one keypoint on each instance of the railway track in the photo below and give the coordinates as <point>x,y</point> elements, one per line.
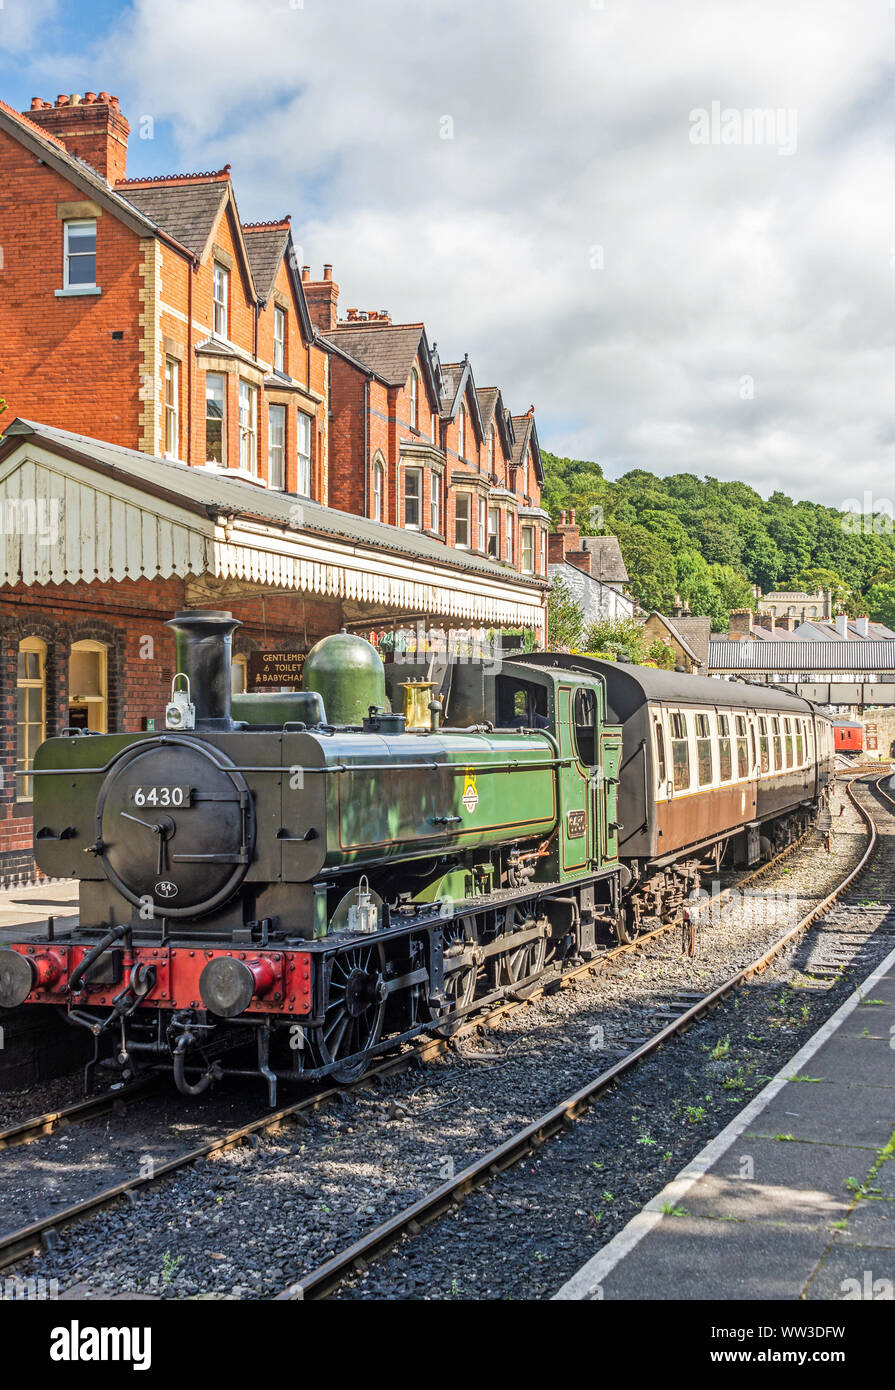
<point>43,1234</point>
<point>356,1258</point>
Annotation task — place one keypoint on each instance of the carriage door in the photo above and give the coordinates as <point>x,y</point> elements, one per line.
<point>610,758</point>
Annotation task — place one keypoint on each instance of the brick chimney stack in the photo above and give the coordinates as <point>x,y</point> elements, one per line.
<point>90,127</point>
<point>323,300</point>
<point>740,624</point>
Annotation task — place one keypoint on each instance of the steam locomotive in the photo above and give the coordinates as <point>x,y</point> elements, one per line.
<point>284,884</point>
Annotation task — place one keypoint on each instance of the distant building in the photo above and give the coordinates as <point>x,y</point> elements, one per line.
<point>593,570</point>
<point>787,607</point>
<point>686,635</point>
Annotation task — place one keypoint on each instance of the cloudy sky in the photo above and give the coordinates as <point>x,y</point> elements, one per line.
<point>670,226</point>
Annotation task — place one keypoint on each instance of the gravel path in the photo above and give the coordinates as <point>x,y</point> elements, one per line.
<point>260,1216</point>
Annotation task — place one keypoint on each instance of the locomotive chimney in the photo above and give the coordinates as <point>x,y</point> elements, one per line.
<point>204,640</point>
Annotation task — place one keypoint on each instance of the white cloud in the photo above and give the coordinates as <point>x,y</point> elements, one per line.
<point>23,22</point>
<point>572,131</point>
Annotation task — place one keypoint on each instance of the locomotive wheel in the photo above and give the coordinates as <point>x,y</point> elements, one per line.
<point>528,959</point>
<point>625,930</point>
<point>354,1013</point>
<point>459,985</point>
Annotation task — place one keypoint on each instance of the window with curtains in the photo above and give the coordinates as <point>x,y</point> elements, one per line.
<point>31,711</point>
<point>414,399</point>
<point>172,408</point>
<point>435,501</point>
<point>493,532</point>
<point>215,419</point>
<point>462,520</point>
<point>276,446</point>
<point>483,524</point>
<point>303,454</point>
<point>88,703</point>
<point>378,491</point>
<point>528,562</point>
<point>412,498</point>
<point>279,339</point>
<point>248,427</point>
<point>221,298</point>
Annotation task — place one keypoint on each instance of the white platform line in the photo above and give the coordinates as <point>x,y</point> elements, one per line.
<point>585,1284</point>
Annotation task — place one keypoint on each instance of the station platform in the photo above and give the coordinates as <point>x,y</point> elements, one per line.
<point>795,1199</point>
<point>24,911</point>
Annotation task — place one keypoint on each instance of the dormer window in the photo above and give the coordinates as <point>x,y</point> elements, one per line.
<point>279,340</point>
<point>221,296</point>
<point>414,399</point>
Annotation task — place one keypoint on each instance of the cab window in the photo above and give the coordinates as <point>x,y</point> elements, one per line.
<point>585,719</point>
<point>521,704</point>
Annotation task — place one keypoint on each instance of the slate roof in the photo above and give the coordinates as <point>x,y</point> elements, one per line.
<point>389,351</point>
<point>800,656</point>
<point>694,632</point>
<point>488,397</point>
<point>265,246</point>
<point>607,562</point>
<point>187,211</point>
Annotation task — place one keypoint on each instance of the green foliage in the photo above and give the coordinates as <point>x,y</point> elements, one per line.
<point>565,620</point>
<point>711,541</point>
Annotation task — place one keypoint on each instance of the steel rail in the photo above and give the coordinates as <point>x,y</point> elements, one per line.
<point>39,1126</point>
<point>33,1237</point>
<point>357,1257</point>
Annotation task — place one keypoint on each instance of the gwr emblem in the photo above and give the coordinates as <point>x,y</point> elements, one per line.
<point>470,792</point>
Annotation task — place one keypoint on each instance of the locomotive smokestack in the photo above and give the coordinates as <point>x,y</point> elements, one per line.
<point>204,641</point>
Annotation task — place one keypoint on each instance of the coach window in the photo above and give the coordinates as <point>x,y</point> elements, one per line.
<point>680,752</point>
<point>703,749</point>
<point>725,760</point>
<point>787,734</point>
<point>763,746</point>
<point>661,766</point>
<point>800,742</point>
<point>742,746</point>
<point>87,687</point>
<point>778,744</point>
<point>586,725</point>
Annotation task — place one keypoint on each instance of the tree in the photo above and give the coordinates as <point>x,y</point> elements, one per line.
<point>565,620</point>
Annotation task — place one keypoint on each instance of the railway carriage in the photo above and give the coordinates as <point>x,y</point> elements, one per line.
<point>848,736</point>
<point>282,885</point>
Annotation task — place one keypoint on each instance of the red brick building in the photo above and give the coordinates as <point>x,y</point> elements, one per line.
<point>188,424</point>
<point>144,313</point>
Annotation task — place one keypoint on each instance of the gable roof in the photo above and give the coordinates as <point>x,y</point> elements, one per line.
<point>458,381</point>
<point>188,206</point>
<point>527,433</point>
<point>607,562</point>
<point>390,351</point>
<point>673,626</point>
<point>266,244</point>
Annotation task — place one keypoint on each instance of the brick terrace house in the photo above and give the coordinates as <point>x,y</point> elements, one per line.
<point>441,456</point>
<point>174,359</point>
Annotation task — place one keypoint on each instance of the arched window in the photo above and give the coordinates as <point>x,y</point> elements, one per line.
<point>378,490</point>
<point>414,399</point>
<point>239,679</point>
<point>88,703</point>
<point>31,710</point>
<point>461,432</point>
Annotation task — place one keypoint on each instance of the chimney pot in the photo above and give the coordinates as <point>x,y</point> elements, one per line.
<point>75,99</point>
<point>306,273</point>
<point>105,98</point>
<point>89,98</point>
<point>62,99</point>
<point>562,518</point>
<point>327,272</point>
<point>573,516</point>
